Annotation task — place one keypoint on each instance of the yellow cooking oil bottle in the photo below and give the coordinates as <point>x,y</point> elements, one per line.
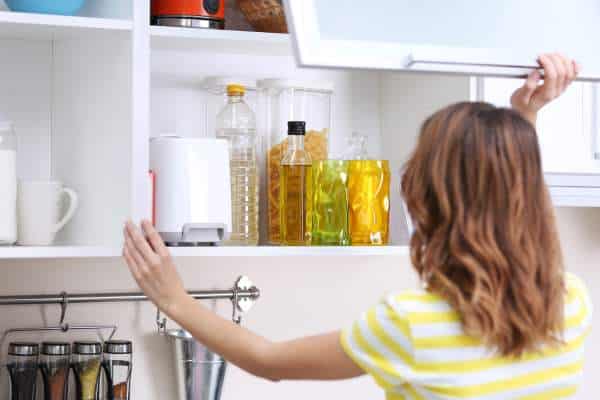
<point>295,194</point>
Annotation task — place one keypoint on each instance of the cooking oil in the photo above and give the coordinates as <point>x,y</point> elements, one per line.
<point>295,195</point>
<point>237,124</point>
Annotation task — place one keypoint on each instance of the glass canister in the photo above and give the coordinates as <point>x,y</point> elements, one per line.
<point>23,368</point>
<point>281,101</point>
<point>8,183</point>
<point>369,201</point>
<point>330,203</point>
<point>87,359</point>
<point>117,365</point>
<point>55,365</point>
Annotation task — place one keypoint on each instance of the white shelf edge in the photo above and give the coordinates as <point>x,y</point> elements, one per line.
<point>62,21</point>
<point>259,43</point>
<point>49,252</point>
<point>62,252</point>
<point>291,251</point>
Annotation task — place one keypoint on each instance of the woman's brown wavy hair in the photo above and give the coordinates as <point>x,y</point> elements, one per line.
<point>485,236</point>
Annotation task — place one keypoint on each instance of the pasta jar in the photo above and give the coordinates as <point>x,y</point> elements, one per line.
<point>279,102</point>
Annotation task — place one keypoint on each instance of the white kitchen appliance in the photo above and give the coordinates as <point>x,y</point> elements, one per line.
<point>192,190</point>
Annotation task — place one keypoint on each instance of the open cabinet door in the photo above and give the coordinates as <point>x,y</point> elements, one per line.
<point>473,37</point>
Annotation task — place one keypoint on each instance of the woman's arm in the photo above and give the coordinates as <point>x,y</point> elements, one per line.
<point>316,357</point>
<point>559,72</point>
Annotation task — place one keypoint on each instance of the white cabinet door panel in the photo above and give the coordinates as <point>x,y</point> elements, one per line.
<point>567,128</point>
<point>461,36</point>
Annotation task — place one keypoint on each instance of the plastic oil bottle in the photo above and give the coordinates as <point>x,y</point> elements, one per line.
<point>295,194</point>
<point>237,123</point>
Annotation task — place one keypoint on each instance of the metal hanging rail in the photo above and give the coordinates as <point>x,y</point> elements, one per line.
<point>243,291</point>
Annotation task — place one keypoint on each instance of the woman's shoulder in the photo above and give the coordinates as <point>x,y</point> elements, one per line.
<point>578,297</point>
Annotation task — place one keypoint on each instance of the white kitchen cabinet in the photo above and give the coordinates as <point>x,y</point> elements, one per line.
<point>86,93</point>
<point>464,36</point>
<point>568,135</point>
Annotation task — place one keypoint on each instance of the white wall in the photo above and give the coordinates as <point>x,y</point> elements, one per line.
<point>299,297</point>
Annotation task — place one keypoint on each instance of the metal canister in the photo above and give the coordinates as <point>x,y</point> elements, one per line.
<point>200,372</point>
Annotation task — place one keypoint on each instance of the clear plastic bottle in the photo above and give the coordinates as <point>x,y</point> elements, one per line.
<point>237,123</point>
<point>295,193</point>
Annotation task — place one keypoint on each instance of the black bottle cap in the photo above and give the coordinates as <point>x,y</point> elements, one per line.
<point>296,128</point>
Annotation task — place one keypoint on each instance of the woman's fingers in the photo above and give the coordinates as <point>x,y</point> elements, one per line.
<point>141,245</point>
<point>133,268</point>
<point>155,240</point>
<point>550,87</point>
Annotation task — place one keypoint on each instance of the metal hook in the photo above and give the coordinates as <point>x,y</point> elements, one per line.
<point>235,317</point>
<point>63,311</point>
<point>161,324</point>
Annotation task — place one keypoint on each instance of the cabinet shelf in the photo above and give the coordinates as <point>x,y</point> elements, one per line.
<point>18,252</point>
<point>29,26</point>
<point>221,41</point>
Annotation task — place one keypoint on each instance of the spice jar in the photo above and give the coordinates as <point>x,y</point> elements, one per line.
<point>23,367</point>
<point>117,365</point>
<point>55,366</point>
<point>87,357</point>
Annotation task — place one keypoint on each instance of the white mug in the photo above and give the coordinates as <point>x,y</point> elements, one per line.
<point>39,206</point>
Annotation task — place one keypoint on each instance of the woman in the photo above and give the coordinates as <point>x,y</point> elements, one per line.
<point>499,318</point>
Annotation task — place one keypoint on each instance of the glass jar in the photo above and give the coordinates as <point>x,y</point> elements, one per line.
<point>117,365</point>
<point>87,358</point>
<point>281,101</point>
<point>55,366</point>
<point>369,201</point>
<point>330,203</point>
<point>8,183</point>
<point>22,368</point>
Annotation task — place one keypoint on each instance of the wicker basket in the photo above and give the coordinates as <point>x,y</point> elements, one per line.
<point>264,15</point>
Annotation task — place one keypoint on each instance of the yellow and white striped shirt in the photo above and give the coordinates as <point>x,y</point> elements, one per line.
<point>415,348</point>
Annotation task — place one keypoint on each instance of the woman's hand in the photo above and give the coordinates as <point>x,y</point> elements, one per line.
<point>559,72</point>
<point>152,267</point>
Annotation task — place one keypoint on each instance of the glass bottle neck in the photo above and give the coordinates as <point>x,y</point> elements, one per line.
<point>235,98</point>
<point>296,142</point>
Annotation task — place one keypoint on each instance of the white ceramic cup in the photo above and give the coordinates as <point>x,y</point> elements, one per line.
<point>39,206</point>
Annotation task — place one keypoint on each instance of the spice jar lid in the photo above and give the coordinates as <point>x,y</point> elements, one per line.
<point>56,348</point>
<point>87,348</point>
<point>23,349</point>
<point>118,347</point>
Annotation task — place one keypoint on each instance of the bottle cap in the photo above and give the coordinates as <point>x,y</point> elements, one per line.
<point>296,128</point>
<point>56,349</point>
<point>117,347</point>
<point>235,90</point>
<point>23,349</point>
<point>87,348</point>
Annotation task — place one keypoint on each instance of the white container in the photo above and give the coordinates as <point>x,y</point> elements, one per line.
<point>192,189</point>
<point>280,101</point>
<point>8,183</point>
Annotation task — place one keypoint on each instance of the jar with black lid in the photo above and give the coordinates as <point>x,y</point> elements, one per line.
<point>117,365</point>
<point>55,366</point>
<point>23,367</point>
<point>87,359</point>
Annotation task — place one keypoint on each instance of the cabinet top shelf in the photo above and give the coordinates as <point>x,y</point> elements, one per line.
<point>222,41</point>
<point>16,25</point>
